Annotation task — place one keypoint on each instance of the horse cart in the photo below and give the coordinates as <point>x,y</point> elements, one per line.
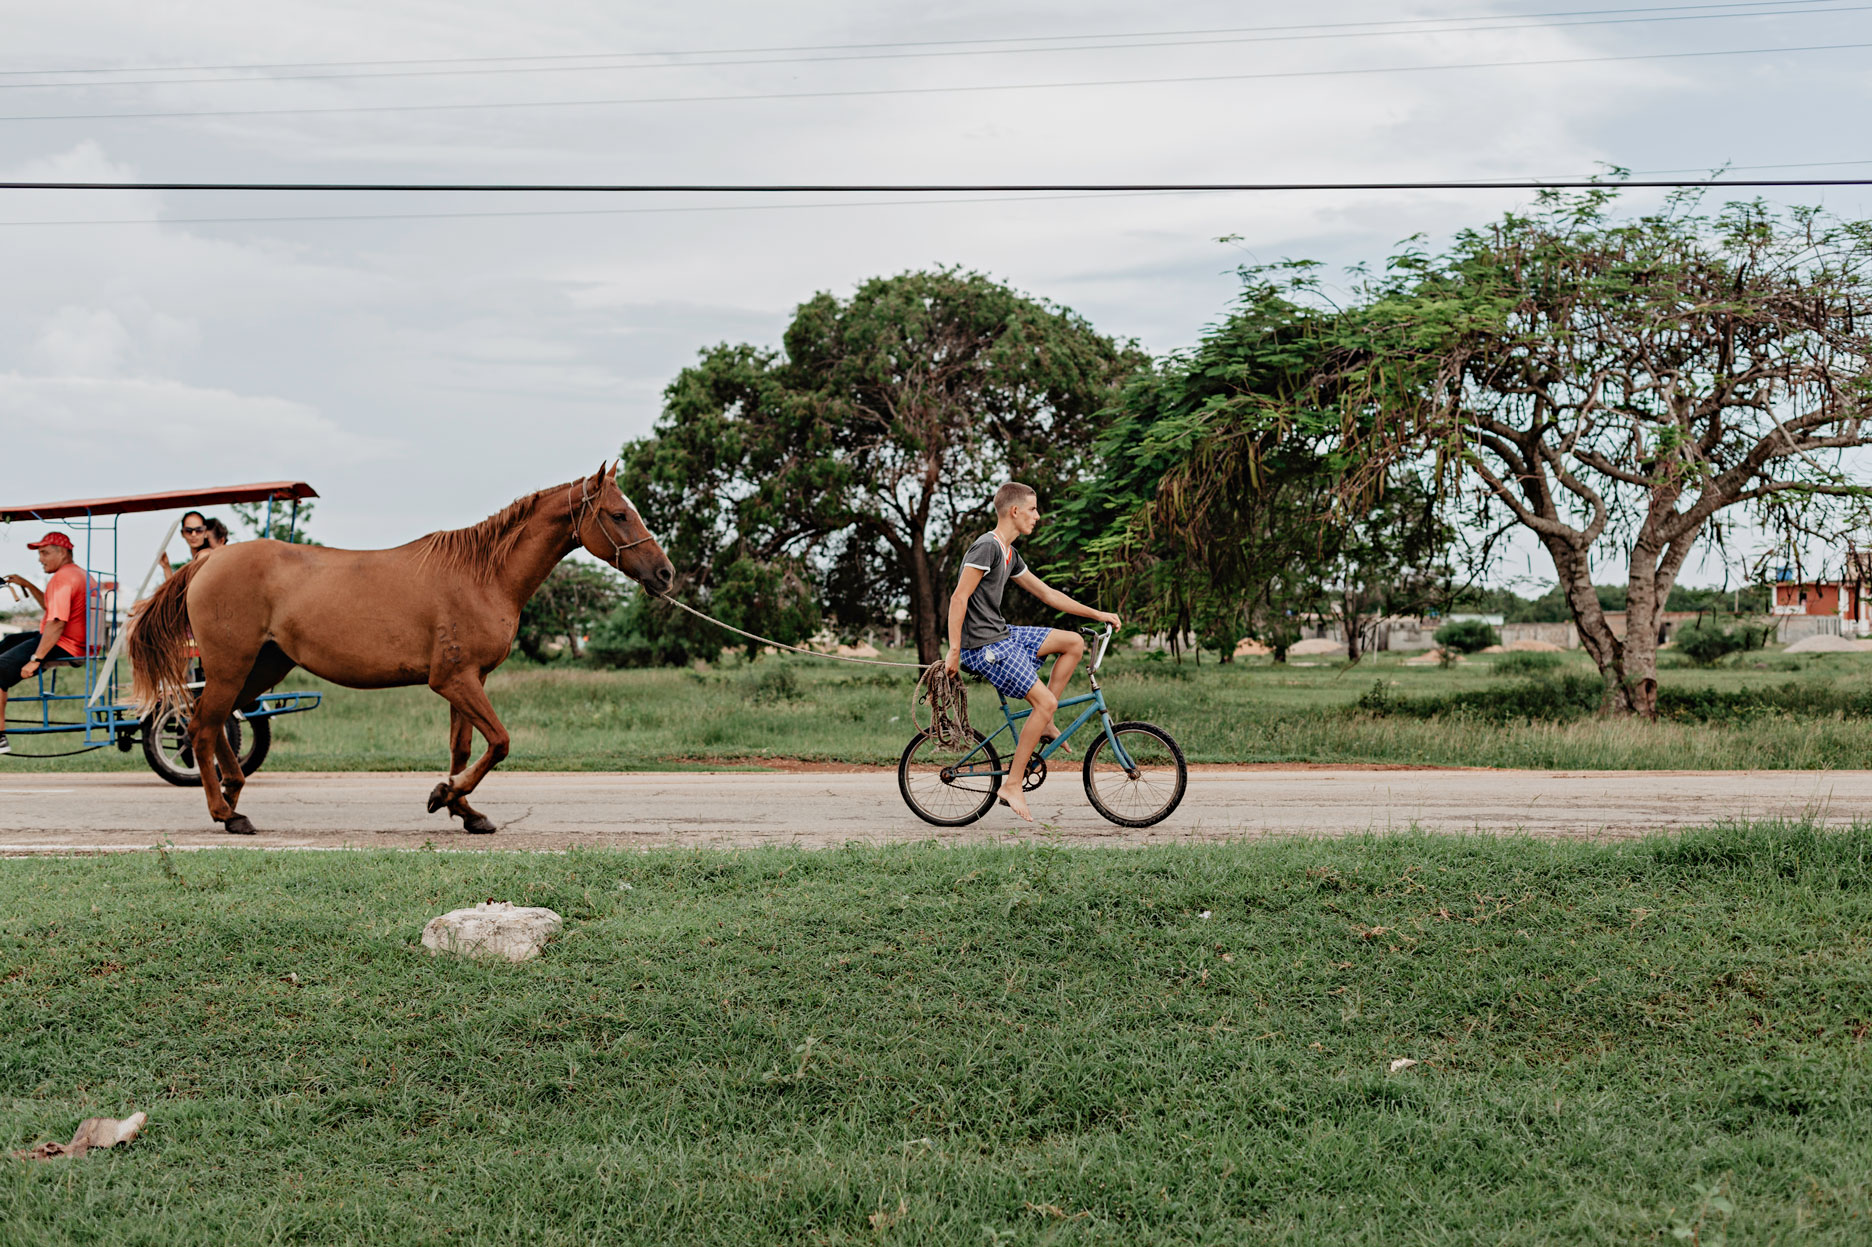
<point>87,697</point>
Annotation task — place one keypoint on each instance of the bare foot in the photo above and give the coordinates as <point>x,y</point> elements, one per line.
<point>1052,733</point>
<point>1015,800</point>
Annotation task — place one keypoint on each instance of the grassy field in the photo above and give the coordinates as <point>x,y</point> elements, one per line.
<point>1658,1041</point>
<point>573,719</point>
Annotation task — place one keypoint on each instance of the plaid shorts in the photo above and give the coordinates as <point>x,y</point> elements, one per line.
<point>1011,664</point>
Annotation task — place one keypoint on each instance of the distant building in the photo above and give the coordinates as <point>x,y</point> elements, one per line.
<point>1847,599</point>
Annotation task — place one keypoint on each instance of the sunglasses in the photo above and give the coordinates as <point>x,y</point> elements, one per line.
<point>189,528</point>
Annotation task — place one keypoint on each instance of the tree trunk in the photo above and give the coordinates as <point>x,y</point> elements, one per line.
<point>1574,569</point>
<point>1351,609</point>
<point>1643,605</point>
<point>930,631</point>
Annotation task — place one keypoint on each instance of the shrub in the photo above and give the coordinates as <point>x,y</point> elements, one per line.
<point>1535,701</point>
<point>776,682</point>
<point>1706,642</point>
<point>1532,664</point>
<point>1465,636</point>
<point>627,637</point>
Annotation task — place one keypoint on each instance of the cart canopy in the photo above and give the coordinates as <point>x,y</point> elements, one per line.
<point>175,499</point>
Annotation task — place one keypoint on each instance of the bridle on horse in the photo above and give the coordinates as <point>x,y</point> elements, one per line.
<point>584,511</point>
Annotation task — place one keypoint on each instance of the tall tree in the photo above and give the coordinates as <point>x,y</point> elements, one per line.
<point>886,421</point>
<point>1217,502</point>
<point>1623,384</point>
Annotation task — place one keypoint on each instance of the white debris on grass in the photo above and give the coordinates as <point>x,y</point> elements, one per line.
<point>1316,645</point>
<point>1402,1063</point>
<point>492,929</point>
<point>94,1134</point>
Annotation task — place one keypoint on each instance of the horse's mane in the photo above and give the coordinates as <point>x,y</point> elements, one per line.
<point>480,550</point>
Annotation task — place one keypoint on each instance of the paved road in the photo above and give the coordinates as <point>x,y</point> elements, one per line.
<point>62,813</point>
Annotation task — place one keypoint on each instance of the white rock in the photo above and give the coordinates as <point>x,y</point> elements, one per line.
<point>493,929</point>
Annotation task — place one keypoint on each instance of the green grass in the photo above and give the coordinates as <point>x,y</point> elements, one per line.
<point>995,1044</point>
<point>566,718</point>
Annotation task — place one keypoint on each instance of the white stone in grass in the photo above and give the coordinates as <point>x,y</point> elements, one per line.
<point>1402,1063</point>
<point>493,929</point>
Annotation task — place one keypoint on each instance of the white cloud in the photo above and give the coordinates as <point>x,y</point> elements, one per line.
<point>155,427</point>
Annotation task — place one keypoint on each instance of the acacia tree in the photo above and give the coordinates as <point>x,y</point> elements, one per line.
<point>1604,382</point>
<point>886,421</point>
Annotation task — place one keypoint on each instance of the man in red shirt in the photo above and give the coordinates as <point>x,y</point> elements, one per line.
<point>61,631</point>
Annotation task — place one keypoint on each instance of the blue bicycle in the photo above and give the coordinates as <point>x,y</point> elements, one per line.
<point>1134,773</point>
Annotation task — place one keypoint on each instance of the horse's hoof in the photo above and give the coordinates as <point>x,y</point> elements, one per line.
<point>239,826</point>
<point>439,797</point>
<point>480,824</point>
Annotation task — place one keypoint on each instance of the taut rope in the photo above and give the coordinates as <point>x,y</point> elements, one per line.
<point>944,694</point>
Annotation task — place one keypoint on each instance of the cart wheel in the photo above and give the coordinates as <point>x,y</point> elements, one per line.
<point>1147,793</point>
<point>939,788</point>
<point>167,749</point>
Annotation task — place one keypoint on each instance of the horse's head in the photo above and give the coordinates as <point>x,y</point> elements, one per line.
<point>610,528</point>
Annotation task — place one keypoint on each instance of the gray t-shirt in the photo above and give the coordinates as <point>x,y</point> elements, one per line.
<point>983,624</point>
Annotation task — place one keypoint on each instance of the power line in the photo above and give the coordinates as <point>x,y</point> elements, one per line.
<point>844,188</point>
<point>924,43</point>
<point>770,207</point>
<point>955,52</point>
<point>951,90</point>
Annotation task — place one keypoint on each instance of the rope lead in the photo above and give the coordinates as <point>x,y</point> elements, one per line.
<point>943,693</point>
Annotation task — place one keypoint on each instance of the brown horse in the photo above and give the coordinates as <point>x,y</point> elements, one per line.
<point>442,611</point>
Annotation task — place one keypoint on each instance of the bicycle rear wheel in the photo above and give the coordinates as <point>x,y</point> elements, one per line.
<point>1147,793</point>
<point>940,787</point>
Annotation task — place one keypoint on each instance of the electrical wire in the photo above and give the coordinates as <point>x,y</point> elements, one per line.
<point>876,203</point>
<point>842,188</point>
<point>1766,5</point>
<point>1263,76</point>
<point>888,56</point>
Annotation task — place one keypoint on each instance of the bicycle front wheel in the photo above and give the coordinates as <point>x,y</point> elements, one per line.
<point>1145,793</point>
<point>942,786</point>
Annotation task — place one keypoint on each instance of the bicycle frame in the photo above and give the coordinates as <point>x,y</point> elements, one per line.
<point>1097,706</point>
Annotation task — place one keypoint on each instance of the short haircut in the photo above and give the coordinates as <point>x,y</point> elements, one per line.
<point>197,514</point>
<point>1011,493</point>
<point>219,530</point>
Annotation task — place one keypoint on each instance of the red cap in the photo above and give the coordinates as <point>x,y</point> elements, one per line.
<point>50,539</point>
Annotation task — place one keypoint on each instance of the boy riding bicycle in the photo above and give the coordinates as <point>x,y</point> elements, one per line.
<point>1009,658</point>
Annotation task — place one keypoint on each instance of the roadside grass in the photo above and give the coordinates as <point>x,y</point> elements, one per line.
<point>1652,1041</point>
<point>565,718</point>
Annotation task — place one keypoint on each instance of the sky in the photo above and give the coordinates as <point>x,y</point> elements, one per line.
<point>423,360</point>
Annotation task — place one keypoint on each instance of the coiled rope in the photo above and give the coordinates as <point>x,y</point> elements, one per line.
<point>944,694</point>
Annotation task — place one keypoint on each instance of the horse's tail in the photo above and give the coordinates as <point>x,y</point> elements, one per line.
<point>159,637</point>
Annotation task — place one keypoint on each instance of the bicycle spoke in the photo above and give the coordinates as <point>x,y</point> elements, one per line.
<point>1144,794</point>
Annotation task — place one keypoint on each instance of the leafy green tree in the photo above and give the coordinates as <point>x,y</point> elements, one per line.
<point>767,599</point>
<point>253,517</point>
<point>573,597</point>
<point>631,637</point>
<point>1216,502</point>
<point>1465,636</point>
<point>1617,382</point>
<point>880,429</point>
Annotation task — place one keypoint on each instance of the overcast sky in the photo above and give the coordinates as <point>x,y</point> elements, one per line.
<point>422,370</point>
